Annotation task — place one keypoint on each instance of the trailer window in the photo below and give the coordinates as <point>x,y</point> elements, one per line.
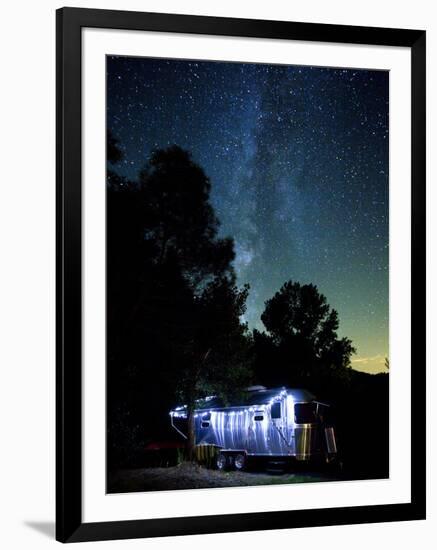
<point>305,413</point>
<point>205,424</point>
<point>206,416</point>
<point>259,417</point>
<point>276,410</point>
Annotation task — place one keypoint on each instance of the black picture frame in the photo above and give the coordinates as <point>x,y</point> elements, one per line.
<point>69,525</point>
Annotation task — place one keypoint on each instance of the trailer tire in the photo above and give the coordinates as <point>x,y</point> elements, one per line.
<point>221,462</point>
<point>240,461</point>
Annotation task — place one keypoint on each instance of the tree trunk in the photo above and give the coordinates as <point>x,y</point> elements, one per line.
<point>191,440</point>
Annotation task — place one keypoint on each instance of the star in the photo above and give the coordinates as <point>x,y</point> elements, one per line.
<point>298,162</point>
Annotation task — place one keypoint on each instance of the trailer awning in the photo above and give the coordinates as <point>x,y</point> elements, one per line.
<point>253,398</point>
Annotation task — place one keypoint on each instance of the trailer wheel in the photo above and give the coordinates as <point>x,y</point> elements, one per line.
<point>221,462</point>
<point>240,461</point>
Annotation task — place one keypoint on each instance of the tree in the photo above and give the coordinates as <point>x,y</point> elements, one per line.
<point>302,337</point>
<point>174,310</point>
<point>215,348</point>
<point>113,152</point>
<point>181,223</point>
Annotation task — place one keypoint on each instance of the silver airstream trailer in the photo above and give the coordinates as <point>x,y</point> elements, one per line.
<point>272,423</point>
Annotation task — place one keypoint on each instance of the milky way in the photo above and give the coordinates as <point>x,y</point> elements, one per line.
<point>298,161</point>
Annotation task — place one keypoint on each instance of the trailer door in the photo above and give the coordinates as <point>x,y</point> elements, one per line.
<point>279,440</point>
<point>258,432</point>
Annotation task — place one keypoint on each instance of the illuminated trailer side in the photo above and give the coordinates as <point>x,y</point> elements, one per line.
<point>264,423</point>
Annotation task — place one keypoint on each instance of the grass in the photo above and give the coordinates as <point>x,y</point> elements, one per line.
<point>194,476</point>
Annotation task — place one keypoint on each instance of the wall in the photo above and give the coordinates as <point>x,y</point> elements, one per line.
<point>28,255</point>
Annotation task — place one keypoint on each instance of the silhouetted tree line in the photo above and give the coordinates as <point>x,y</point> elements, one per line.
<point>174,310</point>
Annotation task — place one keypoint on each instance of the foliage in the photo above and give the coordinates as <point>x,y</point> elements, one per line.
<point>174,329</point>
<point>113,152</point>
<point>181,226</point>
<point>302,341</point>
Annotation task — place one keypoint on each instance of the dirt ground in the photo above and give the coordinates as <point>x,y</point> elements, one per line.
<point>192,476</point>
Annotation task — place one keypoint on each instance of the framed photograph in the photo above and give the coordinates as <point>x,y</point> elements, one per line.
<point>240,274</point>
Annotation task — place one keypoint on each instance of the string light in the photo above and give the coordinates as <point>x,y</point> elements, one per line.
<point>252,429</point>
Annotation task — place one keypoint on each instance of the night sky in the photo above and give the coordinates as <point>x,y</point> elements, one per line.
<point>298,161</point>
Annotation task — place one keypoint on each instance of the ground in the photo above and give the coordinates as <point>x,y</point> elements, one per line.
<point>193,476</point>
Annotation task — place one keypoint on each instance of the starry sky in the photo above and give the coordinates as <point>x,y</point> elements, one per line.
<point>298,161</point>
